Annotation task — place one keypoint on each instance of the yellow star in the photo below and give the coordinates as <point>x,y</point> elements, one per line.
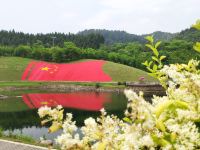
<point>45,68</point>
<point>44,103</point>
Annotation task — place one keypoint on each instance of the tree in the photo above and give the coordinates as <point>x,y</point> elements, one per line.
<point>22,51</point>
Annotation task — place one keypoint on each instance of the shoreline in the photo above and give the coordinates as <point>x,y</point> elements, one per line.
<point>150,88</point>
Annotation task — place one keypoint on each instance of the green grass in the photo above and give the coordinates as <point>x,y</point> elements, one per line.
<point>12,68</point>
<point>121,73</point>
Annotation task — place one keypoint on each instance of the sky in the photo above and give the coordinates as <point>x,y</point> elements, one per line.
<point>132,16</point>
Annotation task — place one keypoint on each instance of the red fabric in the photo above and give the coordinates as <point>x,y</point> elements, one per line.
<point>79,71</point>
<point>78,100</point>
<point>27,70</point>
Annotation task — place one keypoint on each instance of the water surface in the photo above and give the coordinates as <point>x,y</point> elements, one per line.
<point>18,114</point>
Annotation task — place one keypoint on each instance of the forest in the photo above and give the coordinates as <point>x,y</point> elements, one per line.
<point>123,48</point>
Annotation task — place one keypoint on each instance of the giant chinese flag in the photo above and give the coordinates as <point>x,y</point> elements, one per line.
<point>80,100</point>
<point>79,71</point>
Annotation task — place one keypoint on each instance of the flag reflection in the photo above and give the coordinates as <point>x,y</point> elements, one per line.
<point>78,100</point>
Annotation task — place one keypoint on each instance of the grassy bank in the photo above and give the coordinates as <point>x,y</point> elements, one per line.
<point>41,87</point>
<point>12,68</point>
<point>122,73</point>
<point>36,84</point>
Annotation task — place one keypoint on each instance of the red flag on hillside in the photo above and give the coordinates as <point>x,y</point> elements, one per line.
<point>79,71</point>
<point>79,100</point>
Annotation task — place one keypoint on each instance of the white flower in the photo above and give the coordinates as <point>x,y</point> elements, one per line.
<point>147,141</point>
<point>130,95</point>
<point>59,107</point>
<point>90,122</point>
<point>43,111</point>
<point>171,118</point>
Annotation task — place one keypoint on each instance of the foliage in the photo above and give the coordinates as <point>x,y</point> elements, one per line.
<point>13,38</point>
<point>168,123</point>
<point>197,45</point>
<point>131,54</point>
<point>126,48</point>
<point>112,37</point>
<point>156,63</point>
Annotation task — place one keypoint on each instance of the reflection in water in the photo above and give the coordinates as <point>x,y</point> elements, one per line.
<point>20,114</point>
<point>84,101</point>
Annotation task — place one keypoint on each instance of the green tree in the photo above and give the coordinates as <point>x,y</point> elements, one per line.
<point>22,51</point>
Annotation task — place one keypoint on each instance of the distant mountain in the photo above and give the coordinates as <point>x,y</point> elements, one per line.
<point>115,36</point>
<point>191,35</point>
<point>161,36</point>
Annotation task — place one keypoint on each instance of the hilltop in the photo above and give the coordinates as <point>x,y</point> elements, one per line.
<point>116,36</point>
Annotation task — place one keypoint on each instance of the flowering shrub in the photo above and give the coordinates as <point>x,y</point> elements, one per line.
<point>169,122</point>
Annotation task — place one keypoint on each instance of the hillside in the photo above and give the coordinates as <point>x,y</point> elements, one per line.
<point>161,36</point>
<point>190,34</point>
<point>114,36</point>
<point>124,37</point>
<point>12,69</point>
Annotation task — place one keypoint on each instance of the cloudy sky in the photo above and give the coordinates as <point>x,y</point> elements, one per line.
<point>133,16</point>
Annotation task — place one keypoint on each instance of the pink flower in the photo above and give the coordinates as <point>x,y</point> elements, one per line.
<point>141,78</point>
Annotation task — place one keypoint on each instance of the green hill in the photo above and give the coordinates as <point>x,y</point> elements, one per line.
<point>161,36</point>
<point>191,35</point>
<point>11,69</point>
<point>116,36</point>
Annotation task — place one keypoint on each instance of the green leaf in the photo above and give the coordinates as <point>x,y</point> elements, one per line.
<point>150,63</point>
<point>158,44</point>
<point>150,70</point>
<point>162,107</point>
<point>197,47</point>
<point>155,67</point>
<point>162,57</point>
<point>145,63</point>
<point>149,38</point>
<point>152,74</point>
<point>181,104</point>
<point>149,46</point>
<point>160,141</point>
<point>173,137</point>
<point>54,127</point>
<point>197,25</point>
<point>154,58</point>
<point>164,142</point>
<point>160,125</point>
<point>155,51</point>
<point>127,120</point>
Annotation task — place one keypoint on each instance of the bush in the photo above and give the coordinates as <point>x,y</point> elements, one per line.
<point>22,51</point>
<point>169,122</point>
<point>97,85</point>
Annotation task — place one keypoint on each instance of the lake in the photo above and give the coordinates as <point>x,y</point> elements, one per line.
<point>18,113</point>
